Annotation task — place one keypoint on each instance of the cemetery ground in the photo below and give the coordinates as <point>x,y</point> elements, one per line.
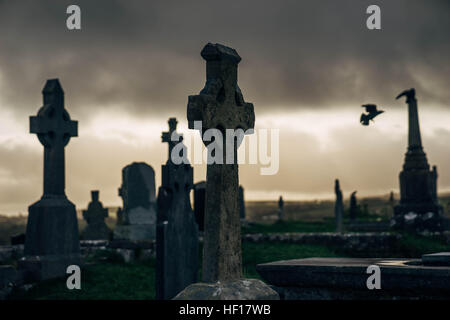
<point>106,276</point>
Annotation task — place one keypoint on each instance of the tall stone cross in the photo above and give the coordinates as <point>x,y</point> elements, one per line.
<point>220,105</point>
<point>54,130</point>
<point>171,137</point>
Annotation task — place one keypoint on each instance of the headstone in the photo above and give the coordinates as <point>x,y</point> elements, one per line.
<point>177,230</point>
<point>339,207</point>
<point>220,105</point>
<point>199,204</point>
<point>392,199</point>
<point>95,215</point>
<point>353,206</point>
<point>419,208</point>
<point>280,209</point>
<point>52,242</point>
<point>241,203</point>
<point>139,203</point>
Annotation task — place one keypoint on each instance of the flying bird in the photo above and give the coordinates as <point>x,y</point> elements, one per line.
<point>372,112</point>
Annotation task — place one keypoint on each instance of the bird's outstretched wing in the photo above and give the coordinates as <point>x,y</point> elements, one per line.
<point>370,107</point>
<point>364,119</point>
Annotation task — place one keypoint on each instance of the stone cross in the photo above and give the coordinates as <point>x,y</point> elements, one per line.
<point>95,217</point>
<point>171,137</point>
<point>95,212</point>
<point>220,105</point>
<point>54,130</point>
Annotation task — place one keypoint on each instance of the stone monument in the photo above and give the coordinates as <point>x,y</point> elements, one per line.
<point>138,215</point>
<point>419,208</point>
<point>177,230</point>
<point>51,242</point>
<point>353,206</point>
<point>220,105</point>
<point>339,207</point>
<point>95,215</point>
<point>280,209</point>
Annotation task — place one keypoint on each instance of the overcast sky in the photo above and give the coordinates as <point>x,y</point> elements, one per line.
<point>307,66</point>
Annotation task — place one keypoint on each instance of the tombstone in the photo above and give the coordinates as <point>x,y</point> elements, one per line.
<point>138,215</point>
<point>220,105</point>
<point>241,203</point>
<point>419,208</point>
<point>392,199</point>
<point>177,230</point>
<point>280,209</point>
<point>95,215</point>
<point>353,206</point>
<point>339,207</point>
<point>51,242</point>
<point>199,204</point>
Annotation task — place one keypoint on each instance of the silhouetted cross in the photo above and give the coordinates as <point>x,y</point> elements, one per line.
<point>54,130</point>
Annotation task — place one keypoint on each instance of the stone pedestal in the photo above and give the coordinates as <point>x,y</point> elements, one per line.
<point>243,289</point>
<point>52,243</point>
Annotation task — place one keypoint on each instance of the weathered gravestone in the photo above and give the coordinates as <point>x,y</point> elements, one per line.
<point>419,207</point>
<point>280,209</point>
<point>241,203</point>
<point>221,106</point>
<point>338,207</point>
<point>95,215</point>
<point>52,243</point>
<point>353,205</point>
<point>199,204</point>
<point>138,221</point>
<point>177,231</point>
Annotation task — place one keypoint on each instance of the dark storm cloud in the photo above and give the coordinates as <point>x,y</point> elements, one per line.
<point>144,55</point>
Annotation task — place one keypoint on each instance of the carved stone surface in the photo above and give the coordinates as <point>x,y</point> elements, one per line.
<point>220,105</point>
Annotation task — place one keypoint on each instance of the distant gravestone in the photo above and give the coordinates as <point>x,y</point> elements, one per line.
<point>221,106</point>
<point>241,203</point>
<point>177,230</point>
<point>199,203</point>
<point>52,242</point>
<point>95,215</point>
<point>339,207</point>
<point>353,206</point>
<point>138,214</point>
<point>280,209</point>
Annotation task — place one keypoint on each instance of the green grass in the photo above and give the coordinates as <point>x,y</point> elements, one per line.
<point>291,226</point>
<point>111,279</point>
<point>414,246</point>
<point>104,281</point>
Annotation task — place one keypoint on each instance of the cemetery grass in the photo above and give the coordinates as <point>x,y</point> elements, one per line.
<point>107,277</point>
